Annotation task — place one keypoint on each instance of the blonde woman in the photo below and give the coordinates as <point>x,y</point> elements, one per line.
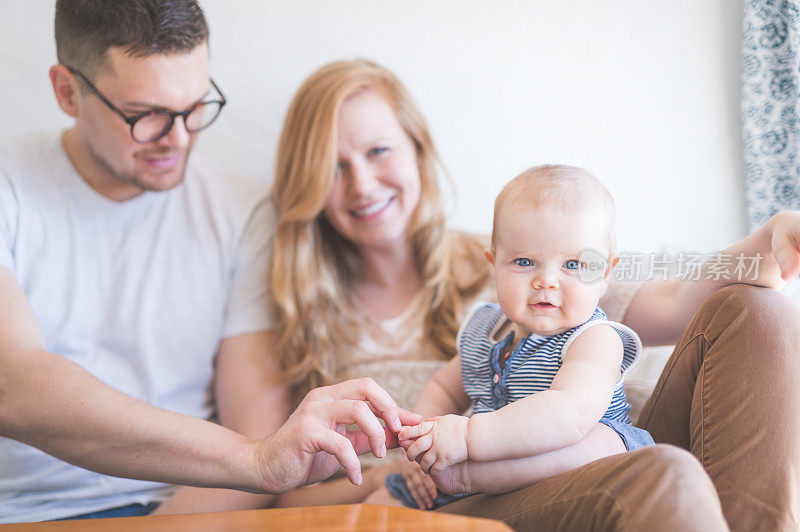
<point>367,281</point>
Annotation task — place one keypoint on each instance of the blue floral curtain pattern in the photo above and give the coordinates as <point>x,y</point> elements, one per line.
<point>770,114</point>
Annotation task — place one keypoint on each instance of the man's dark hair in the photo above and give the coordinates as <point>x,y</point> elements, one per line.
<point>86,29</point>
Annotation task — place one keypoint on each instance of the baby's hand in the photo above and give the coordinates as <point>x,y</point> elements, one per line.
<point>439,444</point>
<point>421,486</point>
<point>405,441</point>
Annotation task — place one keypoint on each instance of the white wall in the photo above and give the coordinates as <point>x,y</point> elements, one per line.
<point>644,94</point>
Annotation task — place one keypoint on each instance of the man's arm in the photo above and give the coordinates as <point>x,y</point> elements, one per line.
<point>661,310</point>
<point>51,403</point>
<point>251,399</point>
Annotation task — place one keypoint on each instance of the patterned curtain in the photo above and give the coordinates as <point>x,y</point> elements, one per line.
<point>770,114</point>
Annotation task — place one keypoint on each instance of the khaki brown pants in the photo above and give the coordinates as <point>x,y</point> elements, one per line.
<point>725,415</point>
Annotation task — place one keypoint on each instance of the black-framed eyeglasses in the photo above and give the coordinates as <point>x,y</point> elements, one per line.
<point>150,126</point>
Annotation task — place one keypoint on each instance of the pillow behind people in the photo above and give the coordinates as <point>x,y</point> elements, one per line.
<point>642,379</point>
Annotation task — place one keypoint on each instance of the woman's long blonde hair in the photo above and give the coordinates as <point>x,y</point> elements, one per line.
<point>311,270</point>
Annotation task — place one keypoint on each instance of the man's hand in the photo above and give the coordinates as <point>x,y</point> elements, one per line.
<point>313,442</point>
<point>439,443</point>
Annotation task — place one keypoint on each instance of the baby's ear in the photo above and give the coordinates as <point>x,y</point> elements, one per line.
<point>489,255</point>
<point>612,262</point>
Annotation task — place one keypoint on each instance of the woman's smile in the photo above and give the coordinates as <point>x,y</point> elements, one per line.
<point>372,210</point>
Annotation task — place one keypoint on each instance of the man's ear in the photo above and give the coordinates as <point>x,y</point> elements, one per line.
<point>489,255</point>
<point>65,89</point>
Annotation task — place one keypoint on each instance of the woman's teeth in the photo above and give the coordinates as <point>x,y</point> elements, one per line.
<point>372,209</point>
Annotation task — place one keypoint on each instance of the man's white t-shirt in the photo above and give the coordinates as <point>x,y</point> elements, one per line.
<point>139,293</point>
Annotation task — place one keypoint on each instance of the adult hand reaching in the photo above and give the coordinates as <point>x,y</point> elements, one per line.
<point>314,441</point>
<point>785,242</point>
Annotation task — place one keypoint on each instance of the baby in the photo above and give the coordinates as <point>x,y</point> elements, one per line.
<point>540,369</point>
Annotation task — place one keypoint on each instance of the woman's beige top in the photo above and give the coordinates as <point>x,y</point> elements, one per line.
<point>397,354</point>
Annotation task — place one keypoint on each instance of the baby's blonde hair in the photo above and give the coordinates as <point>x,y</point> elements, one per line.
<point>567,188</point>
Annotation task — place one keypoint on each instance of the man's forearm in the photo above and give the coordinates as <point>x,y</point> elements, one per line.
<point>187,499</point>
<point>661,309</point>
<point>252,400</point>
<point>55,405</point>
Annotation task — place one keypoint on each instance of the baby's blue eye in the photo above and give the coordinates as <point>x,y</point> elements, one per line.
<point>572,264</point>
<point>524,263</point>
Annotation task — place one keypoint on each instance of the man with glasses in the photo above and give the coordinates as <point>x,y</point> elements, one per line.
<point>128,277</point>
<point>154,124</point>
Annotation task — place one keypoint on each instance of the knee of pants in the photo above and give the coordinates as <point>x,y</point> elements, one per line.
<point>762,316</point>
<point>675,476</point>
<point>745,296</point>
<point>665,488</point>
<point>665,457</point>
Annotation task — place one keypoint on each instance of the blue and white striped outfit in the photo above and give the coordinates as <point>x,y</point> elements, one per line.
<point>531,367</point>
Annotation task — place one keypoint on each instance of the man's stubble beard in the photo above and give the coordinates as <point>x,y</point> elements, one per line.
<point>135,180</point>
